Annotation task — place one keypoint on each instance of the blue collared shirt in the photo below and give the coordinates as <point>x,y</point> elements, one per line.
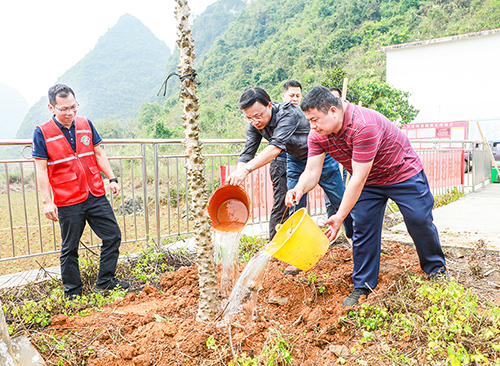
<point>40,147</point>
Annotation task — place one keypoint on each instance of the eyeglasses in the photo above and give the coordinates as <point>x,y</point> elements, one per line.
<point>74,108</point>
<point>256,118</point>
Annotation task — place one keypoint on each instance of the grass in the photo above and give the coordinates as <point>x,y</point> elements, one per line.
<point>32,306</point>
<point>443,320</point>
<point>249,246</point>
<point>449,197</point>
<point>277,351</point>
<point>417,321</point>
<point>29,236</point>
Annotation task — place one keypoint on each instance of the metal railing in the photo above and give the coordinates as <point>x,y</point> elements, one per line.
<point>154,203</point>
<point>475,161</point>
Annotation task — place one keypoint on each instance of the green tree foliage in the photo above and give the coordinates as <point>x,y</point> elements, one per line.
<point>392,103</point>
<point>212,23</point>
<point>153,122</point>
<point>377,95</point>
<point>242,44</point>
<point>273,41</point>
<point>112,128</point>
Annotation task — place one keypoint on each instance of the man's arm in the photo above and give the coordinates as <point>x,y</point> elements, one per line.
<point>42,177</point>
<point>308,179</point>
<point>105,167</point>
<point>264,157</point>
<point>360,172</point>
<point>252,143</point>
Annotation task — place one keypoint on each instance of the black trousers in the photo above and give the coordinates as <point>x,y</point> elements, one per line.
<point>278,177</point>
<point>98,212</point>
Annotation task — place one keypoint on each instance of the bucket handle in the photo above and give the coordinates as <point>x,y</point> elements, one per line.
<point>278,226</point>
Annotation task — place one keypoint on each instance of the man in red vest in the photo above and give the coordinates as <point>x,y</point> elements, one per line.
<point>69,159</point>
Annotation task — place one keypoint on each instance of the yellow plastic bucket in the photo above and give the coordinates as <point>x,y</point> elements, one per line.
<point>229,208</point>
<point>299,242</point>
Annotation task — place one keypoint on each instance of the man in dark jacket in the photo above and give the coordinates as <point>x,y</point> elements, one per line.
<point>286,128</point>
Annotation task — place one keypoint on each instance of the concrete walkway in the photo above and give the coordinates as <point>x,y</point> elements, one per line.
<point>460,223</point>
<point>463,222</point>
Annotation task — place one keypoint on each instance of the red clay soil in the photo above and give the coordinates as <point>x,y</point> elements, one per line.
<point>155,328</point>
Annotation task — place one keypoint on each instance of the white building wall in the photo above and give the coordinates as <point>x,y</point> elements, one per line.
<point>450,79</point>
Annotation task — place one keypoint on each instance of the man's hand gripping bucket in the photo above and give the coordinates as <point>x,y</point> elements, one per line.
<point>229,208</point>
<point>299,242</point>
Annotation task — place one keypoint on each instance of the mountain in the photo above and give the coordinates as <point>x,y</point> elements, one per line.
<point>273,41</point>
<point>13,108</point>
<point>124,70</point>
<point>209,25</point>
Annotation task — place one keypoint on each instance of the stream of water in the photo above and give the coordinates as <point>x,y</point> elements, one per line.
<point>244,294</point>
<point>226,246</point>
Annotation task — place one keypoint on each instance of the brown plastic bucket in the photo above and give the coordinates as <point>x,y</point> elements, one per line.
<point>229,208</point>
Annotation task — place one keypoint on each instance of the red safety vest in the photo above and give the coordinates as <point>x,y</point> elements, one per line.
<point>72,176</point>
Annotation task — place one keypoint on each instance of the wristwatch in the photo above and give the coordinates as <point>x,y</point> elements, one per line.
<point>248,167</point>
<point>113,180</point>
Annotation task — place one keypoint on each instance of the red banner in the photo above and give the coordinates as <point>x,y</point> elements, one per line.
<point>443,168</point>
<point>259,187</point>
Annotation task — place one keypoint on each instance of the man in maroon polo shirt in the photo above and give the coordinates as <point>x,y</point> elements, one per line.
<point>382,165</point>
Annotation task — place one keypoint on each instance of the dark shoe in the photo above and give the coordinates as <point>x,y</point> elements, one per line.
<point>439,277</point>
<point>353,298</point>
<point>72,297</point>
<point>292,271</point>
<point>111,285</point>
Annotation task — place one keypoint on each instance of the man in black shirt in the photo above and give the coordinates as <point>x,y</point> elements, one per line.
<point>287,129</point>
<point>282,124</point>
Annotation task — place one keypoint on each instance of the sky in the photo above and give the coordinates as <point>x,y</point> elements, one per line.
<point>41,39</point>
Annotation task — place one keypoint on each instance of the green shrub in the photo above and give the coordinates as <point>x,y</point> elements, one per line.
<point>443,318</point>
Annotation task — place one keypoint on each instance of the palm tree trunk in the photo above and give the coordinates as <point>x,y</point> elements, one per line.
<point>195,167</point>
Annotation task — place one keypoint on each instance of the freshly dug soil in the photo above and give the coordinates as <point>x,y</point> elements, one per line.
<point>160,327</point>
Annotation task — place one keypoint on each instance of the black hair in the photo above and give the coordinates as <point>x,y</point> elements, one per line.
<point>336,89</point>
<point>291,84</point>
<point>250,96</point>
<point>320,98</point>
<point>59,90</point>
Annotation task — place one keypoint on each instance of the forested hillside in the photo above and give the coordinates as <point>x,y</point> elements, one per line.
<point>241,44</point>
<point>272,41</point>
<point>209,25</point>
<point>123,71</point>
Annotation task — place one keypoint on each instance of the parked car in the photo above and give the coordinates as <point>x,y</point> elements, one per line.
<point>495,149</point>
<point>468,154</point>
<point>468,161</point>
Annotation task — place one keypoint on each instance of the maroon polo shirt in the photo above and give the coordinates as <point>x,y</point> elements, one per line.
<point>367,135</point>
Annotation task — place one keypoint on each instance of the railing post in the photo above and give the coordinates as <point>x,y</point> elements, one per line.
<point>157,196</point>
<point>474,170</point>
<point>145,191</point>
<point>25,208</point>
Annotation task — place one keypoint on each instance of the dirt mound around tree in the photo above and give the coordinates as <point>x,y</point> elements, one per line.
<point>160,327</point>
